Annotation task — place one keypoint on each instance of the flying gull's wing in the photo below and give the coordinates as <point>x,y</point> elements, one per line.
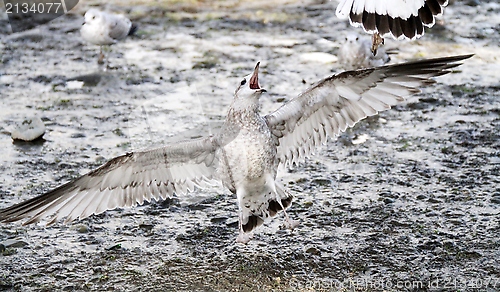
<point>398,18</point>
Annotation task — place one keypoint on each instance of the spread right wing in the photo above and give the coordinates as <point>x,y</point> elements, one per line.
<point>125,181</point>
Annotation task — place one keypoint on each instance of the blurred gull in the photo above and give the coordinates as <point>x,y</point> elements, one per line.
<point>101,28</point>
<point>400,19</point>
<point>245,154</point>
<point>356,53</point>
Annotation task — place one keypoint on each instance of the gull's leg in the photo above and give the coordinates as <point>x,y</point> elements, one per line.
<point>377,40</point>
<point>242,236</point>
<point>289,223</point>
<point>100,61</point>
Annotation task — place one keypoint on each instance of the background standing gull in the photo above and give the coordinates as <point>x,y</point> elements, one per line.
<point>401,19</point>
<point>356,53</point>
<point>245,154</point>
<point>101,28</point>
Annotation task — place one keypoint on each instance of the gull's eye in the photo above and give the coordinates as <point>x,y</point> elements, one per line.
<point>357,38</point>
<point>93,17</point>
<point>243,82</point>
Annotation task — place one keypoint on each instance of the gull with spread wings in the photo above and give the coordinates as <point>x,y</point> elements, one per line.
<point>401,19</point>
<point>245,154</point>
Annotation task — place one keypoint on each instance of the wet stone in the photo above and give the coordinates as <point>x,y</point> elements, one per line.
<point>388,201</point>
<point>29,38</point>
<point>308,204</point>
<point>218,219</point>
<point>432,214</point>
<point>470,254</point>
<point>116,246</point>
<point>146,227</point>
<point>473,2</point>
<point>449,245</point>
<point>346,178</point>
<point>138,81</point>
<point>13,243</point>
<point>337,223</point>
<point>42,79</point>
<point>429,245</point>
<point>313,250</point>
<point>434,200</point>
<point>322,182</point>
<point>78,135</point>
<point>198,207</point>
<point>65,165</point>
<point>400,223</point>
<point>232,223</point>
<point>31,129</point>
<point>82,228</point>
<point>89,80</point>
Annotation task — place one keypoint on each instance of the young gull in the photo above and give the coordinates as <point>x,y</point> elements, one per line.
<point>245,154</point>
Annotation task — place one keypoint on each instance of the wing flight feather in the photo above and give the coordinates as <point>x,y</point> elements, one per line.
<point>125,181</point>
<point>341,100</point>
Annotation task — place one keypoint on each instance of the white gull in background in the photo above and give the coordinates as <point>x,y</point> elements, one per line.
<point>356,53</point>
<point>401,19</point>
<point>245,154</point>
<point>101,28</point>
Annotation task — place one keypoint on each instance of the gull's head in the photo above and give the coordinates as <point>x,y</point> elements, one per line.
<point>92,16</point>
<point>351,38</point>
<point>249,86</point>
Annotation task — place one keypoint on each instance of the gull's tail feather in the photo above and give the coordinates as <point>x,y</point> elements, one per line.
<point>133,28</point>
<point>267,210</point>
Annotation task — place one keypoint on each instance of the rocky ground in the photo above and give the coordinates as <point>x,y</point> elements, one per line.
<point>405,201</point>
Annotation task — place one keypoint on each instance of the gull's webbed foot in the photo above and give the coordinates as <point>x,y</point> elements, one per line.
<point>290,223</point>
<point>244,237</point>
<point>100,61</point>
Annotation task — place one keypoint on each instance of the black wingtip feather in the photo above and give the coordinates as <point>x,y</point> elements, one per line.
<point>382,24</point>
<point>133,29</point>
<point>441,63</point>
<point>255,221</point>
<point>19,211</point>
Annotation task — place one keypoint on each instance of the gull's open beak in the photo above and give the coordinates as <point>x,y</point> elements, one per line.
<point>254,80</point>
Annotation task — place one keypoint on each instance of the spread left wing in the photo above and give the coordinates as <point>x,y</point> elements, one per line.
<point>125,181</point>
<point>341,100</point>
<point>398,18</point>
